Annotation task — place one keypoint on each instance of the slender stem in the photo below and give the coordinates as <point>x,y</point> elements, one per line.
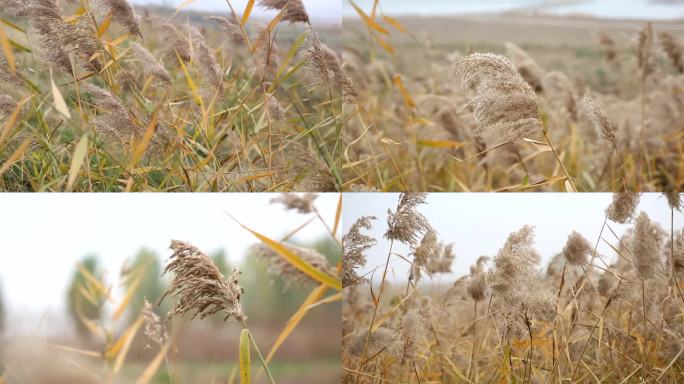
<point>560,162</point>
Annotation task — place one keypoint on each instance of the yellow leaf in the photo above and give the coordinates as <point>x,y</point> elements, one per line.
<point>94,281</point>
<point>180,7</point>
<point>338,216</point>
<point>104,25</point>
<point>7,48</point>
<point>374,10</point>
<point>15,156</point>
<point>151,369</point>
<point>11,120</point>
<point>77,161</point>
<point>369,21</point>
<point>121,347</point>
<point>385,45</point>
<point>569,187</point>
<point>314,296</point>
<point>128,297</point>
<point>248,11</point>
<point>395,23</point>
<point>245,363</point>
<point>191,83</point>
<point>440,143</point>
<point>274,23</point>
<point>540,145</point>
<point>408,100</point>
<point>297,261</point>
<point>60,104</point>
<point>146,140</point>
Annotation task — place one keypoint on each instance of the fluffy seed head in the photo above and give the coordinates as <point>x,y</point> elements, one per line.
<point>114,120</point>
<point>608,44</point>
<point>199,285</point>
<point>477,283</point>
<point>294,9</point>
<point>515,262</point>
<point>644,51</point>
<point>621,210</point>
<point>230,25</point>
<point>412,333</point>
<point>505,106</point>
<point>150,64</point>
<point>674,200</point>
<point>406,224</point>
<point>354,245</point>
<point>277,266</point>
<point>7,105</point>
<point>154,330</point>
<point>381,339</point>
<point>6,75</point>
<point>674,49</point>
<point>527,67</point>
<point>123,13</point>
<point>646,246</point>
<point>577,249</point>
<point>599,119</point>
<point>266,53</point>
<point>206,63</point>
<point>295,202</point>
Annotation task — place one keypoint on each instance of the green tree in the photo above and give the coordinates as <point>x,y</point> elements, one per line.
<point>86,295</point>
<point>220,258</point>
<point>145,271</point>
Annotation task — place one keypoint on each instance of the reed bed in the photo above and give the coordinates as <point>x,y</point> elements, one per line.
<point>438,112</point>
<point>95,97</point>
<point>581,319</point>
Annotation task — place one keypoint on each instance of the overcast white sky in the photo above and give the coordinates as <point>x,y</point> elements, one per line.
<point>610,9</point>
<point>319,10</point>
<point>43,235</point>
<point>479,223</point>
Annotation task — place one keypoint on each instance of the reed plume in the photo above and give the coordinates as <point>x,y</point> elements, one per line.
<point>294,202</point>
<point>123,13</point>
<point>328,69</point>
<point>7,105</point>
<point>577,249</point>
<point>116,122</point>
<point>277,266</point>
<point>46,24</point>
<point>505,106</point>
<point>293,10</point>
<point>381,339</point>
<point>199,285</point>
<point>206,62</point>
<point>231,25</point>
<point>527,67</point>
<point>674,49</point>
<point>7,76</point>
<point>266,53</point>
<point>406,224</point>
<point>478,287</point>
<point>621,210</point>
<point>354,245</point>
<point>674,200</point>
<point>150,64</point>
<point>644,51</point>
<point>599,120</point>
<point>609,50</point>
<point>154,330</point>
<point>515,262</point>
<point>646,246</point>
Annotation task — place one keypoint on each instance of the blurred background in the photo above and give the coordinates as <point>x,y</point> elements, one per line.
<point>320,11</point>
<point>45,237</point>
<point>612,9</point>
<point>479,223</point>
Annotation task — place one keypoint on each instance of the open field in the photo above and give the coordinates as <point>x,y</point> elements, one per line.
<point>434,118</point>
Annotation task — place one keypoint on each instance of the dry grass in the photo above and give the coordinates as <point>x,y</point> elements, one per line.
<point>584,320</point>
<point>595,106</point>
<point>94,99</point>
